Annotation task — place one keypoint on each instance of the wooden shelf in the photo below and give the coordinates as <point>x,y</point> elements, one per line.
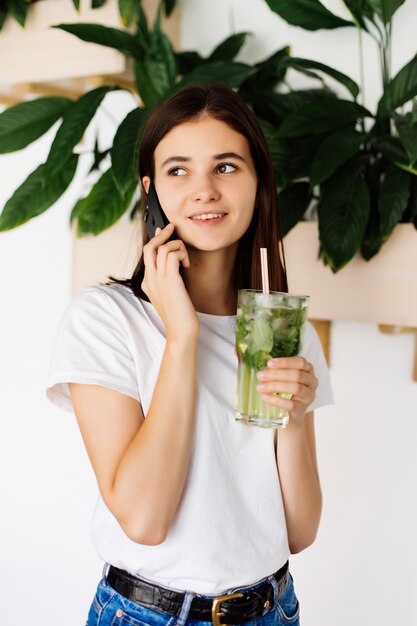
<point>380,291</point>
<point>39,60</point>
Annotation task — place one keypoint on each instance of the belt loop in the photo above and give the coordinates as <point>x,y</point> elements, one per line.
<point>105,571</point>
<point>276,591</point>
<point>185,609</point>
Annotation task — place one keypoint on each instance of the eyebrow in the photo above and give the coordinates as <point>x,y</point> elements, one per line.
<point>216,157</point>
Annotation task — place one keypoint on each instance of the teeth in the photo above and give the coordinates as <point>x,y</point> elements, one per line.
<point>207,216</point>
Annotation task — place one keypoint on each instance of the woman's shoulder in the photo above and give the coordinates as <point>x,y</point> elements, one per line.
<point>109,296</point>
<point>109,304</point>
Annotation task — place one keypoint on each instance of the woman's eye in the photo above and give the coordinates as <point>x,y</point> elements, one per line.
<point>177,171</point>
<point>226,168</point>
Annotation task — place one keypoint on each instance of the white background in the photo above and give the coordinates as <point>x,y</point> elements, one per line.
<point>362,567</point>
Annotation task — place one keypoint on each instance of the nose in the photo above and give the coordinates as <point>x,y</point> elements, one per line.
<point>205,190</point>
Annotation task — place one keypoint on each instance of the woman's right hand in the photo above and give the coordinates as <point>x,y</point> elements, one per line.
<point>165,287</point>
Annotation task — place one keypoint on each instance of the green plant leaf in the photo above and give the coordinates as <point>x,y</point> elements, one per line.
<point>335,150</point>
<point>229,48</point>
<point>268,73</point>
<point>413,201</point>
<point>385,8</point>
<point>301,154</point>
<point>392,149</point>
<point>306,64</point>
<point>99,157</point>
<point>414,111</point>
<point>142,29</point>
<point>309,14</point>
<point>103,206</point>
<point>401,89</point>
<point>160,61</point>
<point>393,198</point>
<point>187,61</point>
<point>76,3</point>
<point>106,36</point>
<point>372,240</point>
<point>76,119</point>
<point>144,84</point>
<point>36,194</point>
<point>228,73</point>
<point>321,117</point>
<point>360,9</point>
<point>96,4</point>
<point>18,9</point>
<point>275,106</point>
<point>407,132</point>
<point>23,123</point>
<point>127,10</point>
<point>293,202</point>
<point>169,6</point>
<point>124,153</point>
<point>3,16</point>
<point>278,150</point>
<point>343,214</point>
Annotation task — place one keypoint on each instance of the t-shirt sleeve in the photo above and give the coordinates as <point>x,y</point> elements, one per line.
<point>313,352</point>
<point>91,347</point>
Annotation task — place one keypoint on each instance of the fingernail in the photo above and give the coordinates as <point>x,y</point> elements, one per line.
<point>270,363</point>
<point>260,387</point>
<point>261,375</point>
<point>157,231</point>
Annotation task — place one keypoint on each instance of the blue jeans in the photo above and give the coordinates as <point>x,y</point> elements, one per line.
<point>109,608</point>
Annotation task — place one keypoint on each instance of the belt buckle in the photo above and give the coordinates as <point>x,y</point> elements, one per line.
<point>216,614</point>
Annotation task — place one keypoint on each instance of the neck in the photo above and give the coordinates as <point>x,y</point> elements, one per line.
<point>209,281</point>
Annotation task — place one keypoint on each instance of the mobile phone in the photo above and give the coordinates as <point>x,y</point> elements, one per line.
<point>154,214</point>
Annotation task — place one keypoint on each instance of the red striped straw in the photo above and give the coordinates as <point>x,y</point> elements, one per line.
<point>264,268</point>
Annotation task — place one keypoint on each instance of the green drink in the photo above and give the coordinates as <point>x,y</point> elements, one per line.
<point>267,326</point>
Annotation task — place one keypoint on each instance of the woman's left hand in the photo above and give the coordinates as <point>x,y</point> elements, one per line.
<point>291,375</point>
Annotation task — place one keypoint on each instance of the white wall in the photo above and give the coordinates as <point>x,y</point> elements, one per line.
<point>361,569</point>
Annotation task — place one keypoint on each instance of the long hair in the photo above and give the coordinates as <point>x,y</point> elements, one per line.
<point>265,230</point>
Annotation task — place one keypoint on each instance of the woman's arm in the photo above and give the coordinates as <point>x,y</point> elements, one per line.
<point>300,484</point>
<point>141,465</point>
<point>296,448</point>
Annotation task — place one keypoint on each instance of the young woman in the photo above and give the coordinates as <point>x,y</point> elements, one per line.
<point>194,507</point>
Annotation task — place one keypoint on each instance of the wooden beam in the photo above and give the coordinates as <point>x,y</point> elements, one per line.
<point>389,329</point>
<point>74,90</point>
<point>323,330</point>
<point>10,98</point>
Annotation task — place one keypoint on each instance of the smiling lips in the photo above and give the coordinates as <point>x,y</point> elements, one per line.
<point>207,219</point>
<point>207,216</point>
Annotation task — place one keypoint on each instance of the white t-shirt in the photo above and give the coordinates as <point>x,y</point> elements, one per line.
<point>229,529</point>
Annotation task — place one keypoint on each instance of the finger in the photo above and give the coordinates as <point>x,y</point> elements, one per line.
<point>283,403</point>
<point>297,390</point>
<point>174,259</point>
<point>287,375</point>
<point>165,250</point>
<point>150,249</point>
<point>292,362</point>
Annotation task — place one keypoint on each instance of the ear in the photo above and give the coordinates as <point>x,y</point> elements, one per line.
<point>146,181</point>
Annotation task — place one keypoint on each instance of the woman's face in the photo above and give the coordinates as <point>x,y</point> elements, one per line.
<point>204,168</point>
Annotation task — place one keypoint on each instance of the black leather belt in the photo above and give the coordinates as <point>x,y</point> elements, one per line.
<point>235,608</point>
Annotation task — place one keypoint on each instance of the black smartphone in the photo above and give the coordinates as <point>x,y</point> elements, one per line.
<point>154,214</point>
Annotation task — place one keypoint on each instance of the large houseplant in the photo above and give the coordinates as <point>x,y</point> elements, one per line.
<point>354,169</point>
<point>18,9</point>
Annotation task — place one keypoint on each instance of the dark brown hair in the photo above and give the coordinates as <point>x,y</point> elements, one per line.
<point>264,231</point>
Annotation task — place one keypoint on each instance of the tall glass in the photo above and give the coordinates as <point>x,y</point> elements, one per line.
<point>267,326</point>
